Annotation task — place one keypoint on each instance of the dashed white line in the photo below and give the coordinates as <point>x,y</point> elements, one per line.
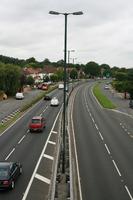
<point>96,126</point>
<point>42,178</point>
<point>128,192</point>
<point>107,148</point>
<point>45,109</point>
<point>100,135</point>
<point>21,139</point>
<point>50,142</point>
<point>10,154</point>
<point>116,167</point>
<point>49,157</point>
<point>93,119</point>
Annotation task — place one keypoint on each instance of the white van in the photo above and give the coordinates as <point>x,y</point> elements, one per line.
<point>19,95</point>
<point>61,86</point>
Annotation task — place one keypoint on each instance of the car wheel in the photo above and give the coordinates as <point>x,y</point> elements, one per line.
<point>12,185</point>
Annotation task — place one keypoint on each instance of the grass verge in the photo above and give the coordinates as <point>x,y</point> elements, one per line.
<point>103,100</point>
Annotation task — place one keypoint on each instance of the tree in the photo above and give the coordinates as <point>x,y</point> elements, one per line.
<point>46,61</point>
<point>54,78</point>
<point>46,79</point>
<point>60,74</point>
<point>120,76</point>
<point>92,69</point>
<point>73,74</point>
<point>30,80</point>
<point>12,79</point>
<point>31,60</point>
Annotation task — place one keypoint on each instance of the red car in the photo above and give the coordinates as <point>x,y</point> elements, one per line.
<point>37,124</point>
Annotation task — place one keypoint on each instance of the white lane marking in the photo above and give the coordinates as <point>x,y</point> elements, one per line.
<point>10,154</point>
<point>116,168</point>
<point>128,192</point>
<point>49,157</point>
<point>93,119</point>
<point>54,132</point>
<point>96,98</point>
<point>50,142</point>
<point>107,148</point>
<point>45,109</point>
<point>96,126</point>
<point>100,135</point>
<point>42,178</point>
<point>21,139</point>
<point>76,157</point>
<point>39,160</point>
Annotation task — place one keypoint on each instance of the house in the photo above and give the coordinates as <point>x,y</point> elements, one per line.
<point>36,73</point>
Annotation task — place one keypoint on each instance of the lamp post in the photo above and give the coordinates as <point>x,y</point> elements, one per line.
<point>69,51</point>
<point>64,99</point>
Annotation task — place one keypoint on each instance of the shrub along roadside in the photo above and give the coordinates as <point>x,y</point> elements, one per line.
<point>103,100</point>
<point>5,125</point>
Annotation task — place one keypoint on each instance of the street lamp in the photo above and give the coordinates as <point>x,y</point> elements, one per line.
<point>69,51</point>
<point>64,99</point>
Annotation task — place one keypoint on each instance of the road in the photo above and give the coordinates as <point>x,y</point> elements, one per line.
<point>104,143</point>
<point>18,144</point>
<point>11,105</point>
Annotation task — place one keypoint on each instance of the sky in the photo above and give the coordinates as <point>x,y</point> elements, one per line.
<point>103,34</point>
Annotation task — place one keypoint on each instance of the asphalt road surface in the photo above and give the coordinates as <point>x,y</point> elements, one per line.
<point>18,144</point>
<point>104,141</point>
<point>11,105</point>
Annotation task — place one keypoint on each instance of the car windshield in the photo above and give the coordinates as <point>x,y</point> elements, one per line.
<point>36,121</point>
<point>3,173</point>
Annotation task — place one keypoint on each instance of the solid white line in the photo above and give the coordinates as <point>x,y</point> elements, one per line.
<point>21,139</point>
<point>100,135</point>
<point>50,142</point>
<point>76,157</point>
<point>39,160</point>
<point>49,157</point>
<point>116,168</point>
<point>128,192</point>
<point>10,154</point>
<point>41,178</point>
<point>107,148</point>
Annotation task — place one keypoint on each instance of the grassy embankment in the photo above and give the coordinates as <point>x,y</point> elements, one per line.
<point>103,100</point>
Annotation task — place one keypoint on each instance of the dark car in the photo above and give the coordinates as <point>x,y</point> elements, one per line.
<point>37,124</point>
<point>47,98</point>
<point>131,103</point>
<point>9,172</point>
